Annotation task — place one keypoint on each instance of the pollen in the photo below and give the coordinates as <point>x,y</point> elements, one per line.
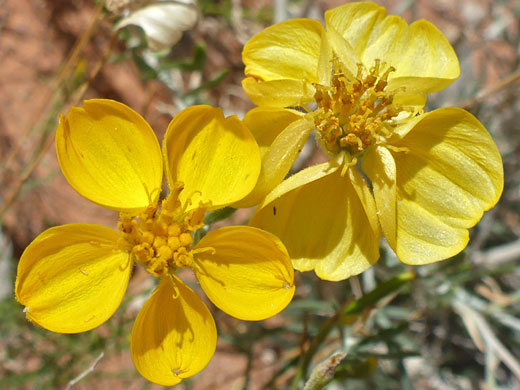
<point>355,112</point>
<point>160,238</point>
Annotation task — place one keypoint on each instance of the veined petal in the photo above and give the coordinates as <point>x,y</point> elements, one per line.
<point>280,134</point>
<point>422,56</point>
<point>323,222</point>
<point>451,173</point>
<point>324,73</point>
<point>427,64</point>
<point>286,50</point>
<point>110,155</point>
<point>245,271</point>
<point>216,158</point>
<point>379,165</point>
<point>279,93</point>
<point>354,22</point>
<point>174,335</point>
<point>72,278</point>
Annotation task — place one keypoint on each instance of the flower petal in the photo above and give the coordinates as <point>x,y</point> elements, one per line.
<point>110,155</point>
<point>174,335</point>
<point>163,23</point>
<point>451,174</point>
<point>247,273</point>
<point>342,49</point>
<point>354,22</point>
<point>427,62</point>
<point>422,56</point>
<point>279,93</point>
<point>379,165</point>
<point>281,135</point>
<point>72,278</point>
<point>286,50</point>
<point>327,222</point>
<point>216,158</point>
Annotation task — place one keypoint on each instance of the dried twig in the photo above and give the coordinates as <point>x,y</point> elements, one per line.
<point>485,93</point>
<point>91,368</point>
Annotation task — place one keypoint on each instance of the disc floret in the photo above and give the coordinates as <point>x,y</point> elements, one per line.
<point>161,237</point>
<point>354,112</point>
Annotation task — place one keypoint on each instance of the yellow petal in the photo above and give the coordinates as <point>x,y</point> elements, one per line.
<point>323,221</point>
<point>451,174</point>
<point>414,102</point>
<point>427,62</point>
<point>281,135</point>
<point>174,335</point>
<point>110,155</point>
<point>287,50</point>
<point>279,93</point>
<point>379,165</point>
<point>245,271</point>
<point>354,22</point>
<point>72,278</point>
<point>216,158</point>
<point>324,63</point>
<point>422,56</point>
<point>344,52</point>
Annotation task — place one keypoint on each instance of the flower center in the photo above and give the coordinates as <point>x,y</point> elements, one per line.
<point>160,239</point>
<point>354,113</point>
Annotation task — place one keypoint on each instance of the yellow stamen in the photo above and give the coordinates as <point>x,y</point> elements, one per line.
<point>160,238</point>
<point>354,113</point>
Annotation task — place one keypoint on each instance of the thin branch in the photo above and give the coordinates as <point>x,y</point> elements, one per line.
<point>485,93</point>
<point>86,372</point>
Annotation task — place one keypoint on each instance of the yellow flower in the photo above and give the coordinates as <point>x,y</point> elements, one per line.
<point>361,85</point>
<point>72,278</point>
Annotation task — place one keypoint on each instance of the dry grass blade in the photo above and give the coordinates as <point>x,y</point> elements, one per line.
<point>485,333</point>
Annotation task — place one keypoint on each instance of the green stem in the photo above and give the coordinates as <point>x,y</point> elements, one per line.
<point>354,307</point>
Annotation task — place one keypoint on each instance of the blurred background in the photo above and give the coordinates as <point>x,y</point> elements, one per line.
<point>456,325</point>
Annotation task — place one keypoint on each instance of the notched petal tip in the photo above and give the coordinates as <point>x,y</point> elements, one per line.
<point>450,175</point>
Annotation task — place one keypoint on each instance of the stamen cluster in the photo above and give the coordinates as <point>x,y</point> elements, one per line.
<point>352,112</point>
<point>160,239</point>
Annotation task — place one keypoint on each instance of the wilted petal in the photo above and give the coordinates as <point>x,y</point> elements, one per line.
<point>163,22</point>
